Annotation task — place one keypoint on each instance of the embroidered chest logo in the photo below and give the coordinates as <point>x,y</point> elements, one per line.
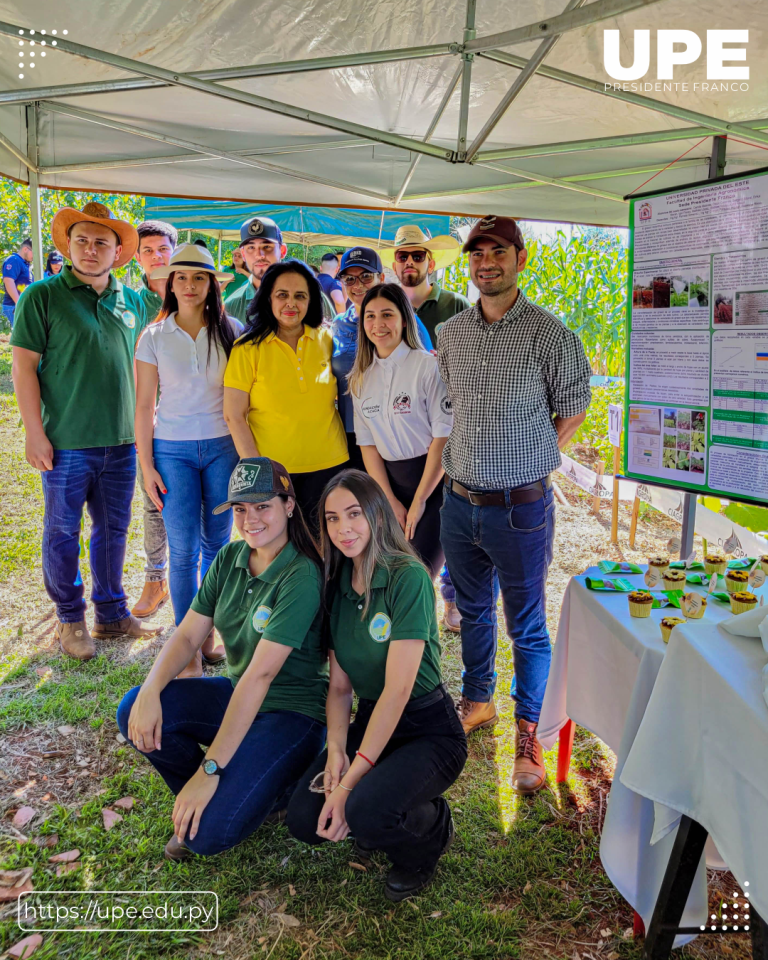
<point>260,618</point>
<point>401,403</point>
<point>129,319</point>
<point>371,408</point>
<point>446,406</point>
<point>380,628</point>
<point>243,477</point>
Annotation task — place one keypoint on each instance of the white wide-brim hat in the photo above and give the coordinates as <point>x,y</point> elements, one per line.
<point>191,257</point>
<point>445,249</point>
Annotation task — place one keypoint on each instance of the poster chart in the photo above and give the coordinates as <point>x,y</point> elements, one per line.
<point>696,410</point>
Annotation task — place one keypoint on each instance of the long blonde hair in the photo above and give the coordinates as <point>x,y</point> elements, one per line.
<point>365,349</point>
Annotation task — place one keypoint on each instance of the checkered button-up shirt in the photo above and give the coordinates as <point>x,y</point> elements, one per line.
<point>506,381</point>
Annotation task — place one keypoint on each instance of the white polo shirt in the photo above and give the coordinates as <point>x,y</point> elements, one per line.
<point>191,405</point>
<point>403,404</point>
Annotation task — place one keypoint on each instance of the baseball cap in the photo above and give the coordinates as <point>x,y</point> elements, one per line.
<point>502,229</point>
<point>256,479</point>
<point>260,228</point>
<point>361,257</point>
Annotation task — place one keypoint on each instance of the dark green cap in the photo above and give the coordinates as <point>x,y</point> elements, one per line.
<point>256,479</point>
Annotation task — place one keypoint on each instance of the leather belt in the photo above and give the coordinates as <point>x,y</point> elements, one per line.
<point>529,493</point>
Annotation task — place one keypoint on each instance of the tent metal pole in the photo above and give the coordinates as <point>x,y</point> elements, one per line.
<point>219,259</point>
<point>431,129</point>
<point>554,182</point>
<point>207,151</point>
<point>241,96</point>
<point>517,87</point>
<point>466,81</point>
<point>572,20</point>
<point>34,192</point>
<point>19,154</point>
<point>680,113</point>
<point>231,73</point>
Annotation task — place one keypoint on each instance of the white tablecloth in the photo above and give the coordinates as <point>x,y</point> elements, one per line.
<point>604,669</point>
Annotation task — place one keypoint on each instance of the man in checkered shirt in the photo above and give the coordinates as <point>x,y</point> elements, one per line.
<point>518,381</point>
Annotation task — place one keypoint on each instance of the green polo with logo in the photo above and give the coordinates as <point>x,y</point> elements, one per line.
<point>440,306</point>
<point>402,607</point>
<point>235,284</point>
<point>282,604</point>
<point>237,304</point>
<point>152,301</point>
<point>86,341</point>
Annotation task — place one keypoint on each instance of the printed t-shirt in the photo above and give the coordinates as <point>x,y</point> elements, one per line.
<point>17,269</point>
<point>282,604</point>
<point>402,607</point>
<point>86,341</point>
<point>292,415</point>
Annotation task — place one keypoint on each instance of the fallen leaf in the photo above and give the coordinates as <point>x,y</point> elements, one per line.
<point>26,947</point>
<point>48,841</point>
<point>262,940</point>
<point>358,866</point>
<point>286,919</point>
<point>41,671</point>
<point>412,904</point>
<point>284,862</point>
<point>125,803</point>
<point>66,730</point>
<point>575,955</point>
<point>527,887</point>
<point>120,738</point>
<point>283,907</point>
<point>613,956</point>
<point>628,933</point>
<point>343,882</point>
<point>605,933</point>
<point>291,889</point>
<point>67,857</point>
<point>83,763</point>
<point>436,914</point>
<point>64,868</point>
<point>23,816</point>
<point>110,818</point>
<point>12,878</point>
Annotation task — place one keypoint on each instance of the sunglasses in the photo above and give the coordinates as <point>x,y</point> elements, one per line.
<point>418,256</point>
<point>364,278</point>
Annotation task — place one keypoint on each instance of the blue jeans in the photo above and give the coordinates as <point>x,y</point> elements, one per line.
<point>9,309</point>
<point>103,479</point>
<point>508,547</point>
<point>196,474</point>
<point>274,753</point>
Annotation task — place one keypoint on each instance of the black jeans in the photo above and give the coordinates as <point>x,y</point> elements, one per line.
<point>404,478</point>
<point>397,807</point>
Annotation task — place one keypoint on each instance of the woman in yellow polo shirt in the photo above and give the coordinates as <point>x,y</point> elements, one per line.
<point>279,389</point>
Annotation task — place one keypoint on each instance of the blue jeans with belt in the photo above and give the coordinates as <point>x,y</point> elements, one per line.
<point>101,479</point>
<point>508,548</point>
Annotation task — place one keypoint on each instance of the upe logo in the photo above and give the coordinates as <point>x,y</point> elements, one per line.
<point>646,211</point>
<point>677,47</point>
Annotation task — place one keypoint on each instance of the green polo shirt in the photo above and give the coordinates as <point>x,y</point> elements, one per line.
<point>282,604</point>
<point>440,306</point>
<point>235,284</point>
<point>237,304</point>
<point>86,343</point>
<point>152,301</point>
<point>402,607</point>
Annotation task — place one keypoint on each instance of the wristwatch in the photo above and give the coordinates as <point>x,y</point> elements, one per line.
<point>211,768</point>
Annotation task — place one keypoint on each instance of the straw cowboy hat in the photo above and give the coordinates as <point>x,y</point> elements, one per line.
<point>444,249</point>
<point>190,256</point>
<point>95,213</point>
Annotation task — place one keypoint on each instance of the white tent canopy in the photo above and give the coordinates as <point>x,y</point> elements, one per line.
<point>368,103</point>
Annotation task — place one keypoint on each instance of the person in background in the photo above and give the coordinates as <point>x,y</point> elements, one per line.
<point>185,449</point>
<point>518,380</point>
<point>265,722</point>
<point>200,243</point>
<point>332,288</point>
<point>416,256</point>
<point>76,396</point>
<point>381,777</point>
<point>402,417</point>
<point>360,270</point>
<point>17,276</point>
<point>53,264</point>
<point>261,244</point>
<point>279,388</point>
<point>240,272</point>
<point>157,241</point>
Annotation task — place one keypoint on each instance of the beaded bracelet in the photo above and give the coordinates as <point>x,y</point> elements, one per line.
<point>366,758</point>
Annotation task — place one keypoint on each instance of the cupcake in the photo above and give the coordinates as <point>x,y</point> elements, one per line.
<point>659,563</point>
<point>715,563</point>
<point>742,600</point>
<point>668,624</point>
<point>640,603</point>
<point>764,563</point>
<point>736,580</point>
<point>674,580</point>
<point>694,610</point>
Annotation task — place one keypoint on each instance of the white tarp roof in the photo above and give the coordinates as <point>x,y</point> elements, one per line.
<point>398,99</point>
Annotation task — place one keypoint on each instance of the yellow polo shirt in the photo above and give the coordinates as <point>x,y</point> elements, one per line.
<point>292,413</point>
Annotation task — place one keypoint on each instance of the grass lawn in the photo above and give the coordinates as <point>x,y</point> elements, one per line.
<point>523,878</point>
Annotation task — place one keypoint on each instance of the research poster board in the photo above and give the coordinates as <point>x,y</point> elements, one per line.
<point>696,410</point>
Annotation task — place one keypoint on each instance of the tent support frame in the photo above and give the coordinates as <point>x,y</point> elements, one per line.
<point>467,60</point>
<point>34,191</point>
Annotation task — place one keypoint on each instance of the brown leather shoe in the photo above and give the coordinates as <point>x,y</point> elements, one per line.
<point>212,650</point>
<point>452,617</point>
<point>153,596</point>
<point>193,669</point>
<point>476,715</point>
<point>176,849</point>
<point>127,627</point>
<point>528,773</point>
<point>75,640</point>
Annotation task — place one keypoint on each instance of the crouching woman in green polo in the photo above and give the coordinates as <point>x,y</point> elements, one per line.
<point>382,777</point>
<point>265,723</point>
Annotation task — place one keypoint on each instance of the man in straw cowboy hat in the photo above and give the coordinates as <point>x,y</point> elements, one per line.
<point>416,256</point>
<point>73,345</point>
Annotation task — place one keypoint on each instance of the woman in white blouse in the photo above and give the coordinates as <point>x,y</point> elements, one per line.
<point>402,416</point>
<point>183,442</point>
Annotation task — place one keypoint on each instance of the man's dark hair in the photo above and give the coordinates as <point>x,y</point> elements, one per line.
<point>261,321</point>
<point>158,228</point>
<point>26,242</point>
<point>326,257</point>
<point>200,243</point>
